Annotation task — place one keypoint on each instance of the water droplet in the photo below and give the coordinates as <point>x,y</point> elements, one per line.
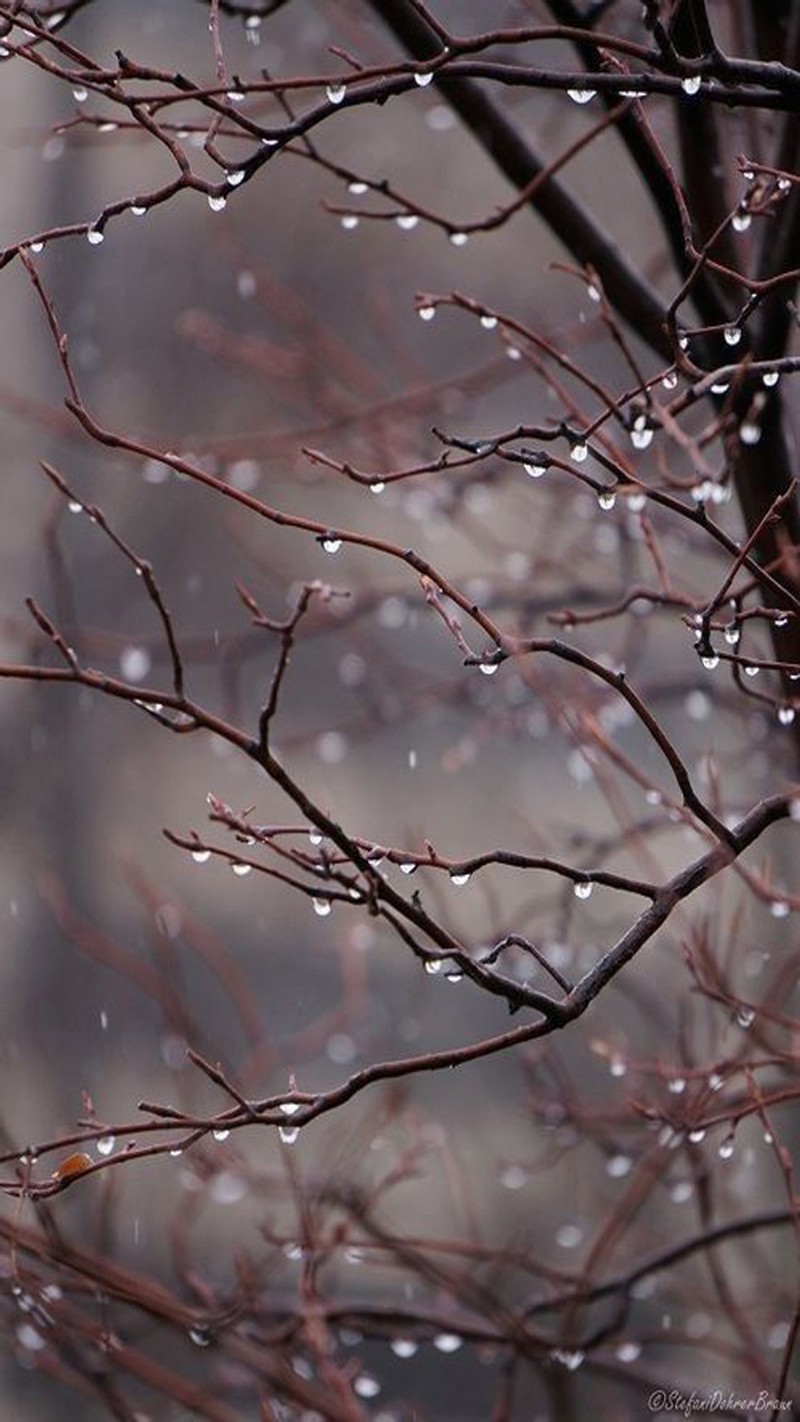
<point>741,221</point>
<point>749,432</point>
<point>629,1352</point>
<point>583,889</point>
<point>460,879</point>
<point>636,502</point>
<point>732,335</point>
<point>289,1108</point>
<point>426,313</point>
<point>423,79</point>
<point>677,1085</point>
<point>617,1067</point>
<point>75,507</point>
<point>459,239</point>
<point>581,96</point>
<point>80,95</point>
<point>751,671</point>
<point>670,380</point>
<point>408,867</point>
<point>433,966</point>
<point>357,188</point>
<point>710,662</point>
<point>407,221</point>
<point>488,322</point>
<point>691,84</point>
<point>606,500</point>
<point>105,1145</point>
<point>216,202</point>
<point>288,1134</point>
<point>241,870</point>
<point>322,907</point>
<point>94,236</point>
<point>200,1337</point>
<point>138,210</point>
<point>330,544</point>
<point>404,1347</point>
<point>487,668</point>
<point>726,1149</point>
<point>220,1135</point>
<point>784,185</point>
<point>780,909</point>
<point>377,487</point>
<point>513,353</point>
<point>135,663</point>
<point>447,1342</point>
<point>697,1135</point>
<point>732,635</point>
<point>336,93</point>
<point>571,1360</point>
<point>579,452</point>
<point>235,179</point>
<point>235,96</point>
<point>681,1192</point>
<point>201,856</point>
<point>569,1236</point>
<point>366,1386</point>
<point>618,1166</point>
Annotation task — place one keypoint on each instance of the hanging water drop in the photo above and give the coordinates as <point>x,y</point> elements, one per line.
<point>710,662</point>
<point>408,867</point>
<point>216,203</point>
<point>349,222</point>
<point>642,438</point>
<point>220,1134</point>
<point>579,452</point>
<point>786,715</point>
<point>235,179</point>
<point>726,1149</point>
<point>670,380</point>
<point>779,909</point>
<point>426,313</point>
<point>241,870</point>
<point>745,1017</point>
<point>201,856</point>
<point>407,221</point>
<point>691,84</point>
<point>581,96</point>
<point>336,93</point>
<point>487,668</point>
<point>322,907</point>
<point>288,1134</point>
<point>80,95</point>
<point>583,889</point>
<point>749,432</point>
<point>488,322</point>
<point>769,378</point>
<point>94,236</point>
<point>105,1145</point>
<point>618,1166</point>
<point>447,1342</point>
<point>358,188</point>
<point>606,500</point>
<point>460,879</point>
<point>433,966</point>
<point>423,78</point>
<point>200,1337</point>
<point>459,239</point>
<point>741,221</point>
<point>404,1347</point>
<point>732,634</point>
<point>732,335</point>
<point>330,543</point>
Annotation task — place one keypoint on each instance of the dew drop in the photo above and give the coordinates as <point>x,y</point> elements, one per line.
<point>618,1166</point>
<point>459,239</point>
<point>80,95</point>
<point>322,907</point>
<point>331,544</point>
<point>220,1135</point>
<point>581,96</point>
<point>579,452</point>
<point>487,668</point>
<point>426,313</point>
<point>732,335</point>
<point>488,322</point>
<point>423,79</point>
<point>741,221</point>
<point>433,966</point>
<point>336,93</point>
<point>94,236</point>
<point>691,84</point>
<point>216,203</point>
<point>606,500</point>
<point>235,179</point>
<point>404,1347</point>
<point>670,380</point>
<point>583,889</point>
<point>447,1342</point>
<point>357,188</point>
<point>710,663</point>
<point>241,870</point>
<point>460,879</point>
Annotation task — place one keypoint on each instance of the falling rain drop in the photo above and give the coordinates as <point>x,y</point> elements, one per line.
<point>691,84</point>
<point>322,907</point>
<point>336,93</point>
<point>581,96</point>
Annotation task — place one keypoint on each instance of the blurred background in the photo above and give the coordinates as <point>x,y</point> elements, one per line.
<point>239,338</point>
